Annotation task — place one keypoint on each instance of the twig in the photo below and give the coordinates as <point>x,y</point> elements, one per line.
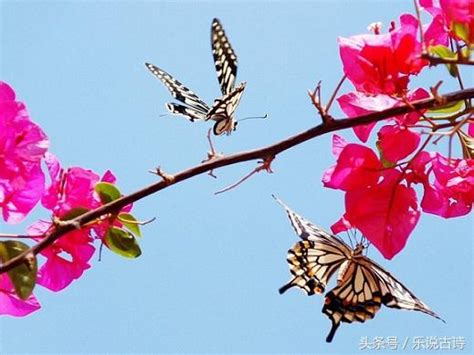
<point>260,153</point>
<point>336,90</point>
<point>315,97</point>
<point>20,236</point>
<point>167,178</point>
<point>265,165</point>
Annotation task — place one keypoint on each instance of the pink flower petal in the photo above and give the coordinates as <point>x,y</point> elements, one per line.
<point>391,136</point>
<point>11,304</point>
<point>357,166</point>
<point>386,213</point>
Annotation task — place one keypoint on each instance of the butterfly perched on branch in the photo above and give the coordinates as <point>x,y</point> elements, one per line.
<point>362,285</point>
<point>192,107</point>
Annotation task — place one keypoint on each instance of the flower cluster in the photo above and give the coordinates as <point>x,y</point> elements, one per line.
<point>380,196</point>
<point>72,192</point>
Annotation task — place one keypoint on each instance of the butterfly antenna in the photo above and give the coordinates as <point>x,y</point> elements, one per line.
<point>253,118</point>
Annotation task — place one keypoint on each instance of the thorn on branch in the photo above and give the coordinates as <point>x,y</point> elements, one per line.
<point>315,97</point>
<point>59,223</point>
<point>440,99</point>
<point>265,164</point>
<point>167,178</point>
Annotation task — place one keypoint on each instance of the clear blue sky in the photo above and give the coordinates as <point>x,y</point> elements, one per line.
<point>211,266</point>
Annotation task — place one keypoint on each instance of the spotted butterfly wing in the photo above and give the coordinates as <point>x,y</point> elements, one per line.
<point>225,59</point>
<point>193,109</point>
<point>362,285</point>
<point>314,259</point>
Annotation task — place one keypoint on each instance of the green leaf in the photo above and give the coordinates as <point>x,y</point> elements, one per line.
<point>23,277</point>
<point>122,243</point>
<point>130,222</point>
<point>107,192</point>
<point>75,212</point>
<point>445,53</point>
<point>451,107</point>
<point>461,30</point>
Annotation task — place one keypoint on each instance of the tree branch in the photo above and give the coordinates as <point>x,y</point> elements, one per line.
<point>261,153</point>
<point>437,60</point>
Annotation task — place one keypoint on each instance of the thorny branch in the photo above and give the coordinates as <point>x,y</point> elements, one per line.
<point>261,153</point>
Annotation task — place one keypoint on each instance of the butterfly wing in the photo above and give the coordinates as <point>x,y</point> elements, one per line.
<point>225,59</point>
<point>314,259</point>
<point>190,113</point>
<point>357,297</point>
<point>395,294</point>
<point>362,288</point>
<point>180,92</point>
<point>223,110</point>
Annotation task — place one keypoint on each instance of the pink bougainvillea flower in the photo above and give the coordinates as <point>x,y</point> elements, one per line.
<point>355,104</point>
<point>357,166</point>
<point>382,63</point>
<point>386,213</point>
<point>420,168</point>
<point>22,146</point>
<point>452,192</point>
<point>11,304</point>
<point>397,142</point>
<point>460,12</point>
<point>68,257</point>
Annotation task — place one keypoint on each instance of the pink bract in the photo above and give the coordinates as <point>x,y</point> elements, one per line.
<point>357,166</point>
<point>460,12</point>
<point>397,142</point>
<point>356,104</point>
<point>385,213</point>
<point>382,63</point>
<point>11,304</point>
<point>452,192</point>
<point>22,146</point>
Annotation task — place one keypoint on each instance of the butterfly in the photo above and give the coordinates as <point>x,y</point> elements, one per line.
<point>362,285</point>
<point>192,107</point>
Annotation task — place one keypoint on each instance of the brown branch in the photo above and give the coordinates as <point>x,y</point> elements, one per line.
<point>260,153</point>
<point>438,60</point>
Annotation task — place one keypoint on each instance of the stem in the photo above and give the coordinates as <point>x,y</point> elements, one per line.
<point>261,153</point>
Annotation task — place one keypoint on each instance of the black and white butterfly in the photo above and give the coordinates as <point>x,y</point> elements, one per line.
<point>362,285</point>
<point>192,107</point>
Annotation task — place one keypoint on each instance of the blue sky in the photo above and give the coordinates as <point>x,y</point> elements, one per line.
<point>211,266</point>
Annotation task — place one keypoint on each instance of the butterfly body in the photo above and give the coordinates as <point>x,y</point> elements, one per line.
<point>362,285</point>
<point>191,106</point>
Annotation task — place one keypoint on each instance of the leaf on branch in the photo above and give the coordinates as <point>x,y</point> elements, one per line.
<point>132,224</point>
<point>122,243</point>
<point>445,53</point>
<point>107,192</point>
<point>461,30</point>
<point>23,277</point>
<point>449,108</point>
